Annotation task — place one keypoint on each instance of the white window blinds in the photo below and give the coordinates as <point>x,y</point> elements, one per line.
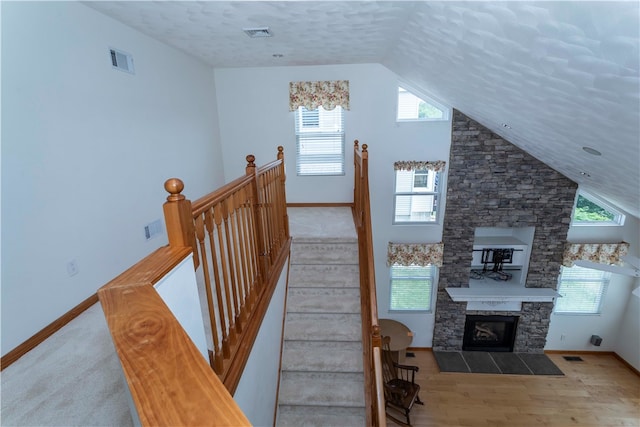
<point>411,287</point>
<point>320,141</point>
<point>581,290</point>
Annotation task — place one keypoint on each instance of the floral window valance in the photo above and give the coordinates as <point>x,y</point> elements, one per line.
<point>311,95</point>
<point>603,253</point>
<point>413,165</point>
<point>421,254</point>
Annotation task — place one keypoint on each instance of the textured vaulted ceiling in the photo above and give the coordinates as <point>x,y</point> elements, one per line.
<point>562,75</point>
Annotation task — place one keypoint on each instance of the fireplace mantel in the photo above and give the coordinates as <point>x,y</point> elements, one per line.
<point>500,297</point>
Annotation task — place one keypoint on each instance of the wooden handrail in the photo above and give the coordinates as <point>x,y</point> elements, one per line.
<point>371,339</point>
<point>169,380</point>
<point>239,238</point>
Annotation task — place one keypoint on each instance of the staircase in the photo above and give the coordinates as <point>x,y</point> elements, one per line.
<point>322,379</point>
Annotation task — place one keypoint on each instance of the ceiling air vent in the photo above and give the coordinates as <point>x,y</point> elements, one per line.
<point>258,32</point>
<point>122,61</point>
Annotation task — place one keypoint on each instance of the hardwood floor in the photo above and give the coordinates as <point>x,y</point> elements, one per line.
<point>600,391</point>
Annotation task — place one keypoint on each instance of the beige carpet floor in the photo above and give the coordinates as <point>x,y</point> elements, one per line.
<point>72,379</point>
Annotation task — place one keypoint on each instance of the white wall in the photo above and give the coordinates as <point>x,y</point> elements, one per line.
<point>401,141</point>
<point>256,393</point>
<point>628,345</point>
<point>263,94</point>
<point>179,290</point>
<point>619,324</point>
<point>255,119</point>
<point>85,152</point>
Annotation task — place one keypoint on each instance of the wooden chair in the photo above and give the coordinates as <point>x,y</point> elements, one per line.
<point>400,388</point>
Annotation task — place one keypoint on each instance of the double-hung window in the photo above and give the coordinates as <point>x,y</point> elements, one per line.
<point>417,195</point>
<point>320,141</point>
<point>581,290</point>
<point>412,287</point>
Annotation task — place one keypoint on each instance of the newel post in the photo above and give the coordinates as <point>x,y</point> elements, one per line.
<point>283,180</point>
<point>258,223</point>
<point>365,160</point>
<point>364,193</point>
<point>178,217</point>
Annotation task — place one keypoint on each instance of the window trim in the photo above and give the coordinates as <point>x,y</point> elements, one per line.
<point>619,217</point>
<point>436,194</point>
<point>604,280</point>
<point>446,114</point>
<point>434,271</point>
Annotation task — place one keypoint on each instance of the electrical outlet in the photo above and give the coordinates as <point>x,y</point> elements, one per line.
<point>72,267</point>
<point>562,337</point>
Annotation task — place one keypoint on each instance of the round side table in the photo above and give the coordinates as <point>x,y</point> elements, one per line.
<point>401,337</point>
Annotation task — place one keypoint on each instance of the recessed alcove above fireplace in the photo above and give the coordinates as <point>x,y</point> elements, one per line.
<point>499,268</point>
<point>501,255</point>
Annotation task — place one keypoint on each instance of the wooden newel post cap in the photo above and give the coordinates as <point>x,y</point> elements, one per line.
<point>376,330</point>
<point>376,338</point>
<point>250,169</point>
<point>364,147</point>
<point>174,187</point>
<point>355,143</point>
<point>280,152</point>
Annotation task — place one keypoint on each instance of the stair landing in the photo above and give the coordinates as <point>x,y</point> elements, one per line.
<point>322,223</point>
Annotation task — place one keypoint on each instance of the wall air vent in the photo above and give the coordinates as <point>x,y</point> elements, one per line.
<point>258,32</point>
<point>153,229</point>
<point>122,61</point>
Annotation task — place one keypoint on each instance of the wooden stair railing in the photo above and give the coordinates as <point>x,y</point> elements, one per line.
<point>239,238</point>
<point>371,339</point>
<point>241,242</point>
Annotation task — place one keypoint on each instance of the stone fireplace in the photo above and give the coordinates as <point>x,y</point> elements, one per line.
<point>493,183</point>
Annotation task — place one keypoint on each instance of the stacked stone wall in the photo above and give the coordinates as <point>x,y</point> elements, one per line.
<point>493,183</point>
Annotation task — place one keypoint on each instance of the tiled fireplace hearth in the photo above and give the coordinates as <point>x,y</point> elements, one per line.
<point>492,183</point>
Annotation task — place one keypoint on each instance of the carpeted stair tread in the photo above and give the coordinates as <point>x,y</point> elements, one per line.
<point>323,327</point>
<point>324,240</point>
<point>325,276</point>
<point>320,253</point>
<point>322,356</point>
<point>320,416</point>
<point>324,300</point>
<point>322,389</point>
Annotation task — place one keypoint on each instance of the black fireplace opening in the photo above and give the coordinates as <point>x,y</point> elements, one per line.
<point>489,333</point>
